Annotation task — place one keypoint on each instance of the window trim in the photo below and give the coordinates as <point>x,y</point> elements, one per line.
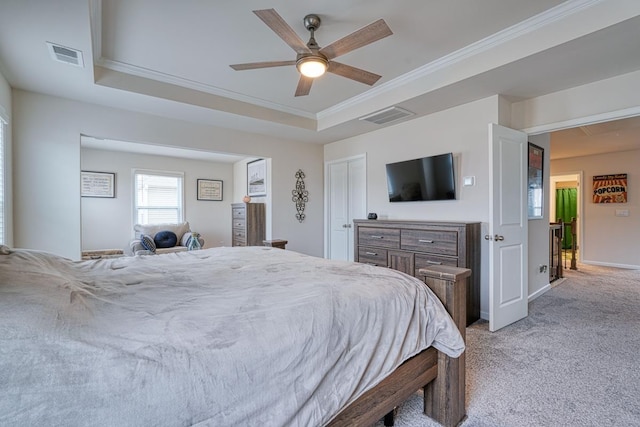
<point>134,196</point>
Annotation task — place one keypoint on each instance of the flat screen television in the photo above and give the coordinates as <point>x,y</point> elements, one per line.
<point>423,179</point>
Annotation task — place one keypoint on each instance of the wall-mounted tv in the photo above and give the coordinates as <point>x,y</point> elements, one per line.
<point>423,179</point>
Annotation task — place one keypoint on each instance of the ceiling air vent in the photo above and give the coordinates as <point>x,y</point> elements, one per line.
<point>65,54</point>
<point>387,115</point>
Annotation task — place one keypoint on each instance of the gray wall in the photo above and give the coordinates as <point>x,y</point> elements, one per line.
<point>607,239</point>
<point>434,134</point>
<point>5,112</point>
<point>46,171</point>
<point>108,223</point>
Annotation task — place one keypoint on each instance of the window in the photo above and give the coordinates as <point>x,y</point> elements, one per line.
<point>157,197</point>
<point>3,218</point>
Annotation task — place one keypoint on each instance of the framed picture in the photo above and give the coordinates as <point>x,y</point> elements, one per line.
<point>535,184</point>
<point>257,178</point>
<point>610,188</point>
<point>97,184</point>
<point>210,189</point>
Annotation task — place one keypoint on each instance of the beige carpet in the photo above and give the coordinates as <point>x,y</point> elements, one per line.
<point>574,361</point>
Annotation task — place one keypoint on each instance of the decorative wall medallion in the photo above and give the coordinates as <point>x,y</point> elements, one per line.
<point>300,195</point>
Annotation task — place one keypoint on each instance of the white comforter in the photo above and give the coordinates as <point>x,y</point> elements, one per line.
<point>224,337</point>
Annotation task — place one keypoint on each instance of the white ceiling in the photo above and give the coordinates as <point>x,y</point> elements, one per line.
<point>172,58</point>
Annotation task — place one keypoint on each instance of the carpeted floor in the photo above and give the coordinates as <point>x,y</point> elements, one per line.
<point>574,361</point>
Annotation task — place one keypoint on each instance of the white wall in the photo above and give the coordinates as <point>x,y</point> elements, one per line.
<point>241,188</point>
<point>108,223</point>
<point>603,100</point>
<point>5,113</point>
<point>461,130</point>
<point>47,164</point>
<point>607,239</point>
<point>539,229</point>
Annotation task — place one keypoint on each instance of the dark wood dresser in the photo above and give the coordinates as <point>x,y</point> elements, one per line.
<point>408,246</point>
<point>249,224</point>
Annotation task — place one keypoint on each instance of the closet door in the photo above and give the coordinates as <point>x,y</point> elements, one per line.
<point>346,201</point>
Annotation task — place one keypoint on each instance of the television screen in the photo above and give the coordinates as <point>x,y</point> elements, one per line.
<point>427,178</point>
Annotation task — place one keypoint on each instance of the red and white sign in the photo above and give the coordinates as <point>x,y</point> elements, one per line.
<point>610,188</point>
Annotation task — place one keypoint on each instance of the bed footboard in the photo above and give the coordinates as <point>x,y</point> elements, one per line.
<point>442,377</point>
<point>444,398</point>
<point>390,392</point>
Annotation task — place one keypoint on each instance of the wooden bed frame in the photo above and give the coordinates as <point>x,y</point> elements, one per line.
<point>441,377</point>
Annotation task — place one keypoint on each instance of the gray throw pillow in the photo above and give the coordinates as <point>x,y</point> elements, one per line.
<point>147,242</point>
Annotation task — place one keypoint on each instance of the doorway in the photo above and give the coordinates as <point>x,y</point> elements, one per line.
<point>565,205</point>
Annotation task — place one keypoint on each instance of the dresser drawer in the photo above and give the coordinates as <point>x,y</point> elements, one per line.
<point>431,241</point>
<point>239,223</point>
<point>381,237</point>
<point>373,256</point>
<point>239,213</point>
<point>424,261</point>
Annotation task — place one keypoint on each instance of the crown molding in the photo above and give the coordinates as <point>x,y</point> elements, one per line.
<point>197,86</point>
<point>534,23</point>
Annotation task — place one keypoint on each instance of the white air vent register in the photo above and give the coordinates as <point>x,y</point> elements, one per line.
<point>65,54</point>
<point>387,115</point>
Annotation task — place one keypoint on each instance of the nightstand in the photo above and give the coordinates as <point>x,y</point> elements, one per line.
<point>276,243</point>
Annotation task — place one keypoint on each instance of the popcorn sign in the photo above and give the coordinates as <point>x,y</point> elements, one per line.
<point>610,188</point>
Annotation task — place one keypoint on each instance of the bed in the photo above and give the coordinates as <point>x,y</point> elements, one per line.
<point>222,336</point>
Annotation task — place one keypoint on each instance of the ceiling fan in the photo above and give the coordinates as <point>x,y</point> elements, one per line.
<point>312,61</point>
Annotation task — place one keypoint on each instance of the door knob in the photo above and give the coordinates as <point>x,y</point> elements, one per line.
<point>498,238</point>
<point>487,237</point>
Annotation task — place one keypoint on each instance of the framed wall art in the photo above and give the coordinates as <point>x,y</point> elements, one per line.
<point>610,188</point>
<point>535,183</point>
<point>97,184</point>
<point>257,178</point>
<point>210,189</point>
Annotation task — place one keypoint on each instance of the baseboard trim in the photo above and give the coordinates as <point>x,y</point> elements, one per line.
<point>539,292</point>
<point>610,264</point>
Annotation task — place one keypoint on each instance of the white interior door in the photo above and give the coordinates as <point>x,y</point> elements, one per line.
<point>357,199</point>
<point>508,227</point>
<point>346,200</point>
<point>338,211</point>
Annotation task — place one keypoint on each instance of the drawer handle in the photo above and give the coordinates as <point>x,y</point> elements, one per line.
<point>377,237</point>
<point>425,241</point>
<point>434,262</point>
<point>371,253</point>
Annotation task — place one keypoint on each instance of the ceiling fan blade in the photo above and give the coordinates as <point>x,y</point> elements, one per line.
<point>304,86</point>
<point>364,36</point>
<point>282,29</point>
<point>353,73</point>
<point>254,65</point>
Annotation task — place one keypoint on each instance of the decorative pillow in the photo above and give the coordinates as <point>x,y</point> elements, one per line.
<point>147,242</point>
<point>165,239</point>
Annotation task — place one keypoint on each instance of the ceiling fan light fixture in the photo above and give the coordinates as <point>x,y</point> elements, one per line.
<point>312,66</point>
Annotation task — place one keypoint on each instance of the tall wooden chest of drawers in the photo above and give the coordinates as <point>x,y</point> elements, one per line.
<point>249,224</point>
<point>408,246</point>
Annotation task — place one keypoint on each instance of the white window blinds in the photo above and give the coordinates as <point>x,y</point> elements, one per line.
<point>158,197</point>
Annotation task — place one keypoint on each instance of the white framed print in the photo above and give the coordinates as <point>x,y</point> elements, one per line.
<point>210,189</point>
<point>257,178</point>
<point>97,184</point>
